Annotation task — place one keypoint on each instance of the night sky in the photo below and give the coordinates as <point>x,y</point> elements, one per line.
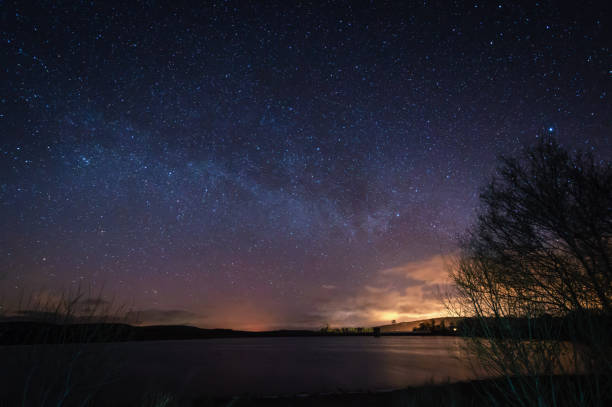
<point>285,164</point>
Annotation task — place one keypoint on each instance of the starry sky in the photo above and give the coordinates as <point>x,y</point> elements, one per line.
<point>260,165</point>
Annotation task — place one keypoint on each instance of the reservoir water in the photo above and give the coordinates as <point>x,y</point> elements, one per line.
<point>269,366</point>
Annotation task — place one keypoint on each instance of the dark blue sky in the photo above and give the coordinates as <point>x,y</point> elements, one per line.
<point>287,164</point>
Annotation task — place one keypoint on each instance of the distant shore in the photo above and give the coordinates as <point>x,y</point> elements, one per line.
<point>29,333</point>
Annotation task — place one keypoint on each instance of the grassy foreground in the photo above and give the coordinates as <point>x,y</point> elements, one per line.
<point>574,391</point>
<point>455,394</point>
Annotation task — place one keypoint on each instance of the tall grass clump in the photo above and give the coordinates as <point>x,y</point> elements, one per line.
<point>55,348</point>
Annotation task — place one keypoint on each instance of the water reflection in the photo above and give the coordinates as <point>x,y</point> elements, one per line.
<point>295,365</point>
<point>275,366</point>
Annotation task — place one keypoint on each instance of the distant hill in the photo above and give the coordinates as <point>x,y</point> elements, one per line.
<point>29,332</point>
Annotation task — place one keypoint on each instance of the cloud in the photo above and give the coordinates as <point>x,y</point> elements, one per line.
<point>92,302</point>
<point>407,292</point>
<point>138,317</point>
<point>93,306</point>
<point>328,286</point>
<point>60,317</point>
<point>38,316</point>
<point>53,307</point>
<point>433,270</point>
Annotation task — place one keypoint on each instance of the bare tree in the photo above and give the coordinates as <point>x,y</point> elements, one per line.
<point>534,273</point>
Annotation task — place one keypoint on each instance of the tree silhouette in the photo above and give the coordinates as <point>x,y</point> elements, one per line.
<point>546,226</point>
<point>538,264</point>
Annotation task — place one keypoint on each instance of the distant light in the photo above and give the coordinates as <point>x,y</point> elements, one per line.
<point>551,129</point>
<point>455,329</point>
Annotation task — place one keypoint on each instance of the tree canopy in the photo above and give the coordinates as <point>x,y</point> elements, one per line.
<point>534,275</point>
<point>543,237</point>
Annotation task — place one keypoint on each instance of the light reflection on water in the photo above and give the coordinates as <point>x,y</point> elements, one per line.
<point>296,365</point>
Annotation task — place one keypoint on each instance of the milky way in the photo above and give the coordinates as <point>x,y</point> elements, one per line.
<point>279,165</point>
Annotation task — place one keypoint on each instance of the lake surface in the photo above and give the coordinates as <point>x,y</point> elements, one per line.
<point>274,366</point>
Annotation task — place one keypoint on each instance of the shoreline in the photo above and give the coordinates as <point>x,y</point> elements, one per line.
<point>16,333</point>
